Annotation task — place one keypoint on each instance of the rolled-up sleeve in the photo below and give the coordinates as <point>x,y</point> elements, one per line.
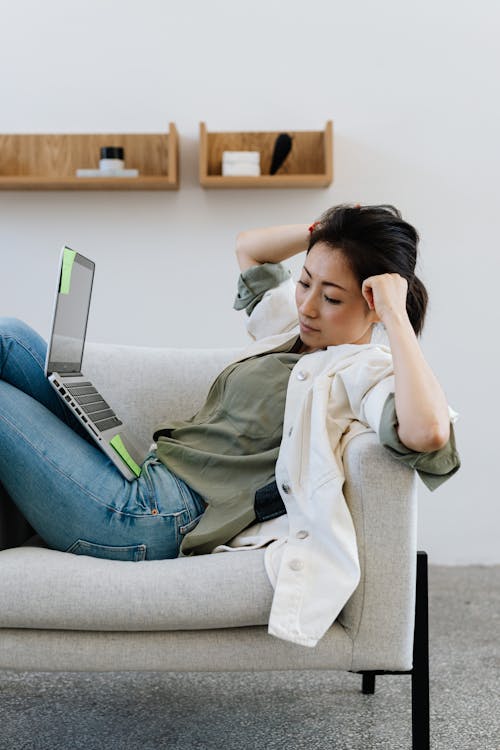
<point>433,467</point>
<point>256,281</point>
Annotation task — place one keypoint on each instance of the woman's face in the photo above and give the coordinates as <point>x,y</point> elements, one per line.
<point>330,305</point>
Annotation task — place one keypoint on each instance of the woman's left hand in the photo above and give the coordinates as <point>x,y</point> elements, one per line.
<point>386,295</point>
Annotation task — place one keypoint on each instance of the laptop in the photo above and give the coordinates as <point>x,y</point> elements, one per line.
<point>63,365</point>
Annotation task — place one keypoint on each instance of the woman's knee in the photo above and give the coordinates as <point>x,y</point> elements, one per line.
<point>18,336</point>
<point>15,328</point>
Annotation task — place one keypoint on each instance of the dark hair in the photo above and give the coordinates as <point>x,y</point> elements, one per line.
<point>375,240</point>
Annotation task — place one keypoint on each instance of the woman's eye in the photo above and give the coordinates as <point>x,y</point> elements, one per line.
<point>333,301</point>
<point>303,283</point>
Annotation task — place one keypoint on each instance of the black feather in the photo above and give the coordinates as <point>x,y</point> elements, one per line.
<point>282,147</point>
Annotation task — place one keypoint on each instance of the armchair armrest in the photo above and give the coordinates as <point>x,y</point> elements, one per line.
<point>382,498</point>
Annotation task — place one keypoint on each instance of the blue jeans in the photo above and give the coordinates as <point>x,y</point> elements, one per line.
<point>64,485</point>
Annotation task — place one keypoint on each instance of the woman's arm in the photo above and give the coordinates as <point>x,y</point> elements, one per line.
<point>421,406</point>
<point>270,245</point>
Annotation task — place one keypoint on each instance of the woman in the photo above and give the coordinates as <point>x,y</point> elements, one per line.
<point>212,476</point>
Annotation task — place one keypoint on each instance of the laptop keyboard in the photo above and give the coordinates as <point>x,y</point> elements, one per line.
<point>93,405</point>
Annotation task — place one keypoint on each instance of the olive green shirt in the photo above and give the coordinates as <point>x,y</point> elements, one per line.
<point>433,467</point>
<point>227,452</point>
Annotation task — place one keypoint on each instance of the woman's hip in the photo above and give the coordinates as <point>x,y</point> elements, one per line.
<point>146,522</point>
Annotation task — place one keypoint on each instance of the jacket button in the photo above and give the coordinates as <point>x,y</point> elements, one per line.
<point>301,375</point>
<point>286,488</point>
<point>296,564</point>
<point>302,534</point>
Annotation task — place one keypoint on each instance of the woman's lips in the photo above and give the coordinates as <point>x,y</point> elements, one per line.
<point>307,329</point>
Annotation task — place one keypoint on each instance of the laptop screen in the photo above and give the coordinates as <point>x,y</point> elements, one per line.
<point>71,313</point>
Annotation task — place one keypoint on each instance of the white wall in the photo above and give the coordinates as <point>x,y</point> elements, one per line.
<point>412,89</point>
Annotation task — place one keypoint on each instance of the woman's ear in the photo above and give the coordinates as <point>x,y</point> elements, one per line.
<point>371,312</point>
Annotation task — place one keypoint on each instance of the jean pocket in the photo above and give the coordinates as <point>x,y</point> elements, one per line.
<point>187,527</point>
<point>131,553</point>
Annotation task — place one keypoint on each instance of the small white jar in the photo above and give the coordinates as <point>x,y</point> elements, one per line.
<point>112,157</point>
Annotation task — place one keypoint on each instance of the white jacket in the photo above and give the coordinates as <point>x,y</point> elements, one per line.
<point>311,556</point>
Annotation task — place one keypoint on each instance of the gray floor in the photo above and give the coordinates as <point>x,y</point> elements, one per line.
<point>274,710</point>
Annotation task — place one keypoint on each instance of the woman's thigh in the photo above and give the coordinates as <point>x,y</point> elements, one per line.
<point>72,494</point>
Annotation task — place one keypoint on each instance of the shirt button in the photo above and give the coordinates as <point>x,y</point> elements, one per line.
<point>302,534</point>
<point>286,488</point>
<point>290,431</point>
<point>296,564</point>
<point>301,375</point>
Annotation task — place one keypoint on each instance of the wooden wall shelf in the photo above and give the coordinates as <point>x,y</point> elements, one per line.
<point>308,165</point>
<point>49,162</point>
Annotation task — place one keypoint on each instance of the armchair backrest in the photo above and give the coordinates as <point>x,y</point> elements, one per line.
<point>146,385</point>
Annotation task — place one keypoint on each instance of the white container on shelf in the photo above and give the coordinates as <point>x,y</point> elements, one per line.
<point>241,163</point>
<point>107,173</point>
<point>111,164</point>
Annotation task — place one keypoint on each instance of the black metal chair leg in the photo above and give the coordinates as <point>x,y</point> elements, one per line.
<point>420,672</point>
<point>368,683</point>
<point>420,713</point>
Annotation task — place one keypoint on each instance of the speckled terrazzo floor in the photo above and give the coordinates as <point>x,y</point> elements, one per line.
<point>278,710</point>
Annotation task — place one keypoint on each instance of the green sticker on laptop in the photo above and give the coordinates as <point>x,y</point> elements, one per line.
<point>67,267</point>
<point>119,447</point>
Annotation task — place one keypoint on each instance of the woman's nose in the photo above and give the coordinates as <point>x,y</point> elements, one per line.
<point>308,306</point>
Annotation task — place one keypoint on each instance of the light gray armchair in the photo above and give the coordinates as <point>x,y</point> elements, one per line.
<point>209,613</point>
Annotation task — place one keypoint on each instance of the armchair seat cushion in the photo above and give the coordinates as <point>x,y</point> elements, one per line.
<point>44,589</point>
